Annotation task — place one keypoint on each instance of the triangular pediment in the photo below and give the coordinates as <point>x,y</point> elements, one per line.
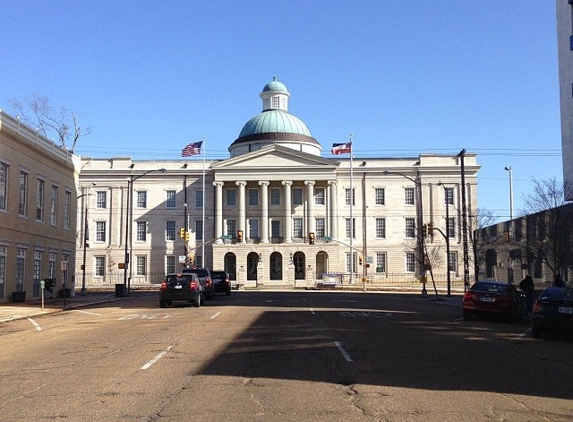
<point>274,159</point>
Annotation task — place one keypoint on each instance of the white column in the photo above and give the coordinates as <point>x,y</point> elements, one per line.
<point>310,224</point>
<point>264,211</point>
<point>218,211</point>
<point>242,207</point>
<point>287,210</point>
<point>333,210</point>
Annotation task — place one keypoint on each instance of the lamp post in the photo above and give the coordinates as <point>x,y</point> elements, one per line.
<point>85,240</point>
<point>447,236</point>
<point>419,211</point>
<point>509,169</point>
<point>128,217</point>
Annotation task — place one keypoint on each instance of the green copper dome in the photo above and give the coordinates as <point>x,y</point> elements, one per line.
<point>275,86</point>
<point>274,121</point>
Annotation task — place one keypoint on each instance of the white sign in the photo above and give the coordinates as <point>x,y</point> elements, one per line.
<point>182,259</point>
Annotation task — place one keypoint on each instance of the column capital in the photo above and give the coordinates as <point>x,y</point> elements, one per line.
<point>309,182</point>
<point>287,182</point>
<point>241,183</point>
<point>332,182</point>
<point>218,183</point>
<point>264,182</point>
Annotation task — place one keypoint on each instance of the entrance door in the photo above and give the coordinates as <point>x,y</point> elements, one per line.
<point>252,264</point>
<point>299,263</point>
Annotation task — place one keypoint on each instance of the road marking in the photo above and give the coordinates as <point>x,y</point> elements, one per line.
<point>156,358</point>
<point>312,311</point>
<point>216,315</point>
<point>85,312</point>
<point>344,352</point>
<point>526,333</point>
<point>35,324</point>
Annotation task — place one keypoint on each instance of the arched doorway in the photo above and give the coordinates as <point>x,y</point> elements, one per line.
<point>321,264</point>
<point>231,265</point>
<point>299,261</point>
<point>252,265</point>
<point>276,266</point>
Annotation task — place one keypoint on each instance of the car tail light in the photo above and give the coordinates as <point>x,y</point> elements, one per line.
<point>538,306</point>
<point>163,285</point>
<point>207,281</point>
<point>469,295</point>
<point>193,285</point>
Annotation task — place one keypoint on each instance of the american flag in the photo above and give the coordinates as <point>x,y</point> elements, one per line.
<point>345,148</point>
<point>192,149</point>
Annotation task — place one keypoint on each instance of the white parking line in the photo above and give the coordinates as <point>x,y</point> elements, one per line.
<point>344,352</point>
<point>35,324</point>
<point>156,358</point>
<point>312,311</point>
<point>216,315</point>
<point>85,312</point>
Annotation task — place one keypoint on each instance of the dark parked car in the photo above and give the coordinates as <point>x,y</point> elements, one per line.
<point>205,278</point>
<point>180,288</point>
<point>222,282</point>
<point>493,298</point>
<point>553,311</point>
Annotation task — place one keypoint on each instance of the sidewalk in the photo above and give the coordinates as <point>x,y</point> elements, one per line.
<point>12,311</point>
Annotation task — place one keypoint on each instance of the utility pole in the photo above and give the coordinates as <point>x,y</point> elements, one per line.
<point>464,223</point>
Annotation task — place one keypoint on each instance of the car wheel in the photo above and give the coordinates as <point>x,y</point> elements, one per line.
<point>467,314</point>
<point>162,304</point>
<point>535,331</point>
<point>198,302</point>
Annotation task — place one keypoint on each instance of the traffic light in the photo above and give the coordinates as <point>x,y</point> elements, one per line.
<point>239,236</point>
<point>311,238</point>
<point>506,236</point>
<point>182,233</point>
<point>431,228</point>
<point>187,235</point>
<point>424,230</point>
<point>360,261</point>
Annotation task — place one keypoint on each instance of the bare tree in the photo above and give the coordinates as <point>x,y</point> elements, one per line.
<point>480,240</point>
<point>549,225</point>
<point>62,123</point>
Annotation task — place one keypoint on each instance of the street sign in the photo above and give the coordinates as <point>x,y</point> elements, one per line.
<point>327,238</point>
<point>182,259</point>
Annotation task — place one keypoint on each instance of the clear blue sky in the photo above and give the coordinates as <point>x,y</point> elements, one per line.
<point>403,77</point>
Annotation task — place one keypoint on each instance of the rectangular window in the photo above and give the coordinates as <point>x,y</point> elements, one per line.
<point>350,228</point>
<point>3,186</point>
<point>141,235</point>
<point>275,229</point>
<point>253,228</point>
<point>275,196</point>
<point>380,196</point>
<point>40,200</point>
<point>54,206</point>
<point>380,262</point>
<point>319,196</point>
<point>451,227</point>
<point>297,196</point>
<point>409,196</point>
<point>253,197</point>
<point>37,265</point>
<point>320,223</point>
<point>101,199</point>
<point>231,197</point>
<point>449,196</point>
<point>410,262</point>
<point>100,266</point>
<point>352,256</point>
<point>199,199</point>
<point>453,262</point>
<point>169,264</point>
<point>142,199</point>
<point>198,229</point>
<point>141,265</point>
<point>348,195</point>
<point>22,202</point>
<point>380,228</point>
<point>20,268</point>
<point>275,102</point>
<point>410,229</point>
<point>52,265</point>
<point>170,230</point>
<point>231,228</point>
<point>2,270</point>
<point>67,209</point>
<point>297,228</point>
<point>100,231</point>
<point>170,199</point>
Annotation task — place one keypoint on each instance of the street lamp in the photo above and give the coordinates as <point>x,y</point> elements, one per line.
<point>86,238</point>
<point>128,217</point>
<point>447,236</point>
<point>508,169</point>
<point>419,211</point>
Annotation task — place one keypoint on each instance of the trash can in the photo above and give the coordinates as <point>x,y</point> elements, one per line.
<point>119,290</point>
<point>18,297</point>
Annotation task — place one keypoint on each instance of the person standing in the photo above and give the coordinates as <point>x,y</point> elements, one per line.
<point>527,286</point>
<point>558,282</point>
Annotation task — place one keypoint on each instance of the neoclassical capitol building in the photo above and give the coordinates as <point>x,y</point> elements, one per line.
<point>276,213</point>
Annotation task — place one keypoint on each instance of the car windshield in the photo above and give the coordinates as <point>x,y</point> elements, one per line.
<point>490,288</point>
<point>200,272</point>
<point>179,278</point>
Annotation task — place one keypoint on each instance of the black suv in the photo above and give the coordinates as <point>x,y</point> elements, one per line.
<point>222,282</point>
<point>181,288</point>
<point>205,278</point>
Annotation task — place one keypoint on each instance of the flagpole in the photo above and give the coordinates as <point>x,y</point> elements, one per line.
<point>351,214</point>
<point>203,218</point>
